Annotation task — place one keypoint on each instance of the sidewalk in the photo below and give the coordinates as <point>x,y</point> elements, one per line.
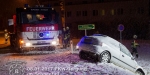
<point>2,41</point>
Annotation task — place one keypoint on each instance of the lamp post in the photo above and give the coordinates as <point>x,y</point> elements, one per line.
<point>62,8</point>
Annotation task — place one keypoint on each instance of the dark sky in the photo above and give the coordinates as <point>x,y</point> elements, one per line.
<point>8,8</point>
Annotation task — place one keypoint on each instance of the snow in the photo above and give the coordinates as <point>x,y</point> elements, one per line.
<point>70,64</point>
<point>63,62</point>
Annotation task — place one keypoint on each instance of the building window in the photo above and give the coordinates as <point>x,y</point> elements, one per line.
<point>84,13</point>
<point>84,2</point>
<point>112,12</point>
<point>120,11</point>
<point>78,13</point>
<point>69,3</point>
<point>103,12</point>
<point>69,14</point>
<point>140,10</point>
<point>95,12</point>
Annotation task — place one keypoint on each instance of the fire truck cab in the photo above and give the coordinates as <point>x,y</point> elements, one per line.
<point>35,28</point>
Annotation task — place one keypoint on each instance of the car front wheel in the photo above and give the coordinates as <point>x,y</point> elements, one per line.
<point>82,55</point>
<point>104,57</point>
<point>139,73</point>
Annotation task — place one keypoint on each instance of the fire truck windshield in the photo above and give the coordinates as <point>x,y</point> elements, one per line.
<point>38,18</point>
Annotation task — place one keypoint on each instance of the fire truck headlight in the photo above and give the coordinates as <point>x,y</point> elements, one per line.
<point>54,43</point>
<point>28,44</point>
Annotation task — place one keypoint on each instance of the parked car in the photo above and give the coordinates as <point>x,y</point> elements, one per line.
<point>105,49</point>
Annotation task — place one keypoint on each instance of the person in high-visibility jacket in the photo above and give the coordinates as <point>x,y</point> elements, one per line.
<point>134,46</point>
<point>6,35</point>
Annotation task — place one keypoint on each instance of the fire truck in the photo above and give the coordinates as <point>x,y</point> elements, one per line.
<point>35,28</point>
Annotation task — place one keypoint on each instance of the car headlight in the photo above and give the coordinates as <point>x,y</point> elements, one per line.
<point>28,44</point>
<point>77,47</point>
<point>54,42</point>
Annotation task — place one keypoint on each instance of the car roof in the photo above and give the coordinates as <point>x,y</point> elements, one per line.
<point>99,35</point>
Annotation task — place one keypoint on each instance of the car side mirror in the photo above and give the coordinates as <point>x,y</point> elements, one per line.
<point>132,58</point>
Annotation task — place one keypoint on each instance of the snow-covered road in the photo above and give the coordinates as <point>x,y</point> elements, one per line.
<point>62,62</point>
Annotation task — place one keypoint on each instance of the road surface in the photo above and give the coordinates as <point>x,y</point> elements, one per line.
<point>62,62</point>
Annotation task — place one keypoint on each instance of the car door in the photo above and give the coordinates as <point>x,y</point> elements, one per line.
<point>126,58</point>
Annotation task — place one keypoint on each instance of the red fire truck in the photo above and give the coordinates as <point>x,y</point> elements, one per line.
<point>35,28</point>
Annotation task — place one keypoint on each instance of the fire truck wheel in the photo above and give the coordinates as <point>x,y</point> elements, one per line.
<point>20,50</point>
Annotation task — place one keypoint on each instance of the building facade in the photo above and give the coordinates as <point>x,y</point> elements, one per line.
<point>107,15</point>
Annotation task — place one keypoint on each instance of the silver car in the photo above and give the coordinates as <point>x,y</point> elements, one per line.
<point>104,49</point>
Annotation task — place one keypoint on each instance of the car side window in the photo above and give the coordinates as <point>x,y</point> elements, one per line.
<point>125,50</point>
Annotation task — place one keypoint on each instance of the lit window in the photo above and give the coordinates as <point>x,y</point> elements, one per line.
<point>40,16</point>
<point>103,12</point>
<point>112,12</point>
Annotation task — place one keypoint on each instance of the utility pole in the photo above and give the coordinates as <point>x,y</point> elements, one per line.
<point>62,8</point>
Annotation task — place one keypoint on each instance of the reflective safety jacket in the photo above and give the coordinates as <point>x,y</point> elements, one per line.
<point>6,35</point>
<point>134,44</point>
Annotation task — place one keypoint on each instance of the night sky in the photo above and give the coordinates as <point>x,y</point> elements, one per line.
<point>8,8</point>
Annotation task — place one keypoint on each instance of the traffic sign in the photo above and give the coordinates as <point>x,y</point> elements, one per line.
<point>10,22</point>
<point>86,27</point>
<point>121,27</point>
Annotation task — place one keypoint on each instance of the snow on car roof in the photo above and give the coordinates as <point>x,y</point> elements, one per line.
<point>99,35</point>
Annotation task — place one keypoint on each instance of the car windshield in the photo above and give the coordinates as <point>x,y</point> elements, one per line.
<point>38,17</point>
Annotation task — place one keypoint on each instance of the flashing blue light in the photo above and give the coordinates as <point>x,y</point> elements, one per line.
<point>26,5</point>
<point>47,34</point>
